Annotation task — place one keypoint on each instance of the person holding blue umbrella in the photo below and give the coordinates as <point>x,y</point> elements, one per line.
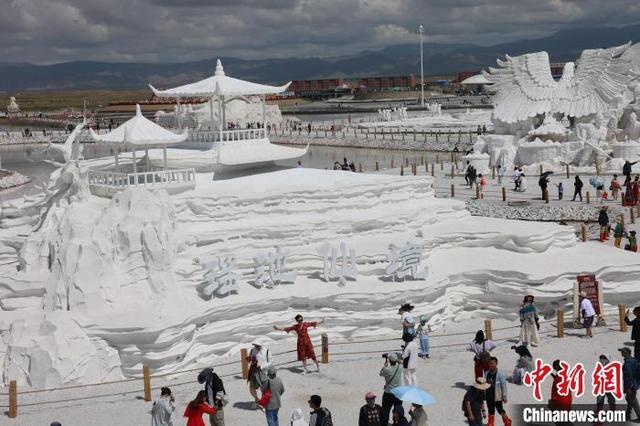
<point>418,398</point>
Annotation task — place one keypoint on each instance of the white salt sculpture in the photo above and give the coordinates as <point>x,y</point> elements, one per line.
<point>269,269</point>
<point>221,279</point>
<point>338,266</point>
<point>405,262</point>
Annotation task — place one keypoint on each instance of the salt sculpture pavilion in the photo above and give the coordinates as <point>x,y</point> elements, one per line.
<point>139,133</point>
<point>235,147</point>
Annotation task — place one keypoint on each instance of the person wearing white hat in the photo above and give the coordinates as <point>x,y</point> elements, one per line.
<point>473,402</point>
<point>588,313</point>
<point>259,361</point>
<point>296,418</point>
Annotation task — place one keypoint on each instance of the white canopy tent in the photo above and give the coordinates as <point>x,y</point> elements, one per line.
<point>223,88</point>
<point>140,133</point>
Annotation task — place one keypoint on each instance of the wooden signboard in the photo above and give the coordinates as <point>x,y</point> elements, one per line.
<point>590,285</point>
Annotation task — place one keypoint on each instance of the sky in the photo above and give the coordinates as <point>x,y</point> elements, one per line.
<point>49,31</point>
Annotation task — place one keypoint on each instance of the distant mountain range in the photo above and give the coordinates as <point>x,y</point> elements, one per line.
<point>440,59</point>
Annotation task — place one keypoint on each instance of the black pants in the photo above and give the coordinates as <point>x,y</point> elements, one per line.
<point>577,192</point>
<point>493,405</point>
<point>389,400</point>
<point>636,349</point>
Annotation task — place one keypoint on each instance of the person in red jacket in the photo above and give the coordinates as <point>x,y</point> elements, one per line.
<point>196,408</point>
<point>557,401</point>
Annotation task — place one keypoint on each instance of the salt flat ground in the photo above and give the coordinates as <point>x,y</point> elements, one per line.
<point>342,383</point>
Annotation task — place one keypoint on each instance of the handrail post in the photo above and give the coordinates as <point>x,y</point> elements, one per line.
<point>244,363</point>
<point>488,333</point>
<point>325,348</point>
<point>622,310</point>
<point>13,399</point>
<point>146,377</point>
<point>560,323</point>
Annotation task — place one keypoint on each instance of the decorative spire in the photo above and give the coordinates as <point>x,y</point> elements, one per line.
<point>219,68</point>
<point>138,110</point>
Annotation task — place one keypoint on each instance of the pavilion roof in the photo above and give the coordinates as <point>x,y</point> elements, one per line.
<point>219,84</point>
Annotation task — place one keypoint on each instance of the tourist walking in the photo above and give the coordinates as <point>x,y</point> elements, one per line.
<point>304,346</point>
<point>163,409</point>
<point>399,418</point>
<point>423,336</point>
<point>216,394</point>
<point>524,364</point>
<point>588,313</point>
<point>481,184</point>
<point>259,361</point>
<point>410,361</point>
<point>618,232</point>
<point>473,176</point>
<point>467,171</point>
<point>517,173</point>
<point>500,173</point>
<point>604,359</point>
<point>630,382</point>
<point>577,188</point>
<point>497,393</point>
<point>473,402</point>
<point>543,182</point>
<point>418,415</point>
<point>481,348</point>
<point>275,388</point>
<point>197,408</point>
<point>603,221</point>
<point>635,330</point>
<point>560,187</point>
<point>529,322</point>
<point>319,416</point>
<point>615,188</point>
<point>392,376</point>
<point>370,413</point>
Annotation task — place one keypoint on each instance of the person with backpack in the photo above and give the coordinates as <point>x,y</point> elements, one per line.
<point>319,416</point>
<point>529,322</point>
<point>473,402</point>
<point>196,408</point>
<point>408,321</point>
<point>618,232</point>
<point>635,330</point>
<point>272,391</point>
<point>163,409</point>
<point>216,394</point>
<point>497,393</point>
<point>630,381</point>
<point>259,361</point>
<point>632,242</point>
<point>481,348</point>
<point>392,379</point>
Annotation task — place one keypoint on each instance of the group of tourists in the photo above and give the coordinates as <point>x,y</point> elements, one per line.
<point>618,229</point>
<point>345,166</point>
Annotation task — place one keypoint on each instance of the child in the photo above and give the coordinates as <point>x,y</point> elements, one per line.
<point>632,244</point>
<point>615,187</point>
<point>618,232</point>
<point>423,335</point>
<point>560,190</point>
<point>483,183</point>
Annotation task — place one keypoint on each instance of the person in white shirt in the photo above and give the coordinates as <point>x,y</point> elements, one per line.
<point>587,311</point>
<point>163,408</point>
<point>410,361</point>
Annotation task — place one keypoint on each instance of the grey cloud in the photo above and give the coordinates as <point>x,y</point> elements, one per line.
<point>179,30</point>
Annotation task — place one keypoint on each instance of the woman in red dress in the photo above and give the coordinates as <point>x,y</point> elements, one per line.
<point>305,347</point>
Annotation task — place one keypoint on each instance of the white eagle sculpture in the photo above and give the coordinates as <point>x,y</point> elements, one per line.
<point>597,83</point>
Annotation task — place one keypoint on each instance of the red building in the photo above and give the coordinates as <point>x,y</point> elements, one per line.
<point>315,86</point>
<point>384,83</point>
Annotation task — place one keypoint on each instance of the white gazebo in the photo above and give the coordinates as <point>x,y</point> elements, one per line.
<point>221,89</point>
<point>139,133</point>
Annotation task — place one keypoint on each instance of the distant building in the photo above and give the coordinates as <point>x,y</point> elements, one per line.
<point>332,87</point>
